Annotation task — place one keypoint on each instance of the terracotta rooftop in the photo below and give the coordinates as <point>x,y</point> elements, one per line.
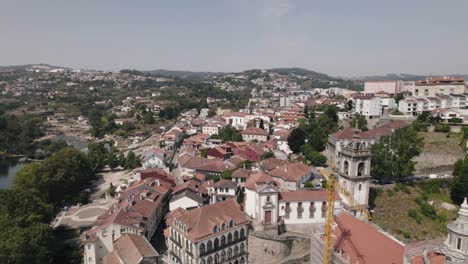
<point>256,180</point>
<point>362,242</point>
<point>241,173</point>
<point>254,131</point>
<point>200,222</point>
<point>226,184</point>
<point>130,249</point>
<point>291,171</point>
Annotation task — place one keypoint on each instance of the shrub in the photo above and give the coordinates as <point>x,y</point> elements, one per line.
<point>456,120</point>
<point>413,213</point>
<point>442,128</point>
<point>406,234</point>
<point>428,210</point>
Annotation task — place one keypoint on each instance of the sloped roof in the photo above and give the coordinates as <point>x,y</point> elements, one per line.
<point>362,242</point>
<point>254,131</point>
<point>291,171</point>
<point>200,222</point>
<point>130,249</point>
<point>241,173</point>
<point>305,195</point>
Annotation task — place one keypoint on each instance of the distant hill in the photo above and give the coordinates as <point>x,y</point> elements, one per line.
<point>403,76</point>
<point>282,71</point>
<point>29,67</point>
<point>183,74</point>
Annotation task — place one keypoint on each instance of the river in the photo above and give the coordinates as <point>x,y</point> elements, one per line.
<point>8,169</point>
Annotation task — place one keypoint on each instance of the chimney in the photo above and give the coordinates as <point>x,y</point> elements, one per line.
<point>157,182</point>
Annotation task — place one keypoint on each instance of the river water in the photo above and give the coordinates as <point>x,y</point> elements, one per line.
<point>8,169</point>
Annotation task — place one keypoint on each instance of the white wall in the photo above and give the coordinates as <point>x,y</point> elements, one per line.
<point>183,202</point>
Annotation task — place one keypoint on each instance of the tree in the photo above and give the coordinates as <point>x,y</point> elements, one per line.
<point>122,160</point>
<point>211,112</point>
<point>313,156</point>
<point>112,161</point>
<point>226,174</point>
<point>349,105</point>
<point>267,155</point>
<point>97,155</point>
<point>392,155</point>
<point>132,161</point>
<point>361,122</point>
<point>296,139</point>
<point>229,133</point>
<point>57,178</point>
<point>148,117</point>
<point>459,188</point>
<point>262,126</point>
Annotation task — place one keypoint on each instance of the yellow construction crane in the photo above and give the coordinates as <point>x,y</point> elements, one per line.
<point>333,185</point>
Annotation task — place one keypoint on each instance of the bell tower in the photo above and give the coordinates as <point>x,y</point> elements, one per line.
<point>354,162</point>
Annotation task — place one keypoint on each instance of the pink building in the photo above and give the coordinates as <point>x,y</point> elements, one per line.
<point>390,87</point>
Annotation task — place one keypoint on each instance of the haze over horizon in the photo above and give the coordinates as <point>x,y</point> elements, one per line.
<point>341,39</point>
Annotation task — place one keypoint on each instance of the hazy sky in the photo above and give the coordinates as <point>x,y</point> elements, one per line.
<point>348,37</point>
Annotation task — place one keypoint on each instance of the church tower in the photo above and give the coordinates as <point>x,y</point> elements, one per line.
<point>353,165</point>
<point>456,245</point>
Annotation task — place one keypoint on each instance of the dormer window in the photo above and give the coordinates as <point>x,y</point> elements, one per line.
<point>223,226</point>
<point>215,229</point>
<point>231,223</point>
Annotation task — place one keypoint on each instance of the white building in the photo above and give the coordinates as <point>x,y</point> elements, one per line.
<point>292,176</point>
<point>216,233</point>
<point>254,133</point>
<point>211,129</point>
<point>224,190</point>
<point>236,119</point>
<point>187,199</point>
<point>368,106</point>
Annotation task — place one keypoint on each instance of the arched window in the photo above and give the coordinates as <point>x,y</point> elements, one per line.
<point>242,247</point>
<point>223,255</point>
<point>236,235</point>
<point>216,258</point>
<point>223,226</point>
<point>360,169</point>
<point>231,223</point>
<point>236,250</point>
<point>229,238</point>
<point>223,241</point>
<point>202,249</point>
<point>242,261</point>
<point>209,246</point>
<point>216,244</point>
<point>346,167</point>
<point>178,240</point>
<point>229,253</point>
<point>210,260</point>
<point>215,229</point>
<point>242,234</point>
<point>202,261</point>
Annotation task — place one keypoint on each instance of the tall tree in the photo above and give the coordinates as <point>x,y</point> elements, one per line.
<point>361,122</point>
<point>459,188</point>
<point>392,155</point>
<point>296,139</point>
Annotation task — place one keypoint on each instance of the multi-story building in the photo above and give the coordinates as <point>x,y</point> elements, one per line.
<point>140,210</point>
<point>216,233</point>
<point>417,105</point>
<point>368,106</point>
<point>211,129</point>
<point>433,86</point>
<point>390,87</point>
<point>292,176</point>
<point>254,134</point>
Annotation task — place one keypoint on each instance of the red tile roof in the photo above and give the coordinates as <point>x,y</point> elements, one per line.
<point>130,248</point>
<point>361,242</point>
<point>254,131</point>
<point>291,171</point>
<point>200,222</point>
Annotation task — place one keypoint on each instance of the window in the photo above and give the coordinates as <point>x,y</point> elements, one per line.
<point>311,210</point>
<point>236,235</point>
<point>459,242</point>
<point>216,258</point>
<point>236,251</point>
<point>223,255</point>
<point>223,226</point>
<point>229,239</point>
<point>202,249</point>
<point>215,229</point>
<point>231,223</point>
<point>90,260</point>
<point>324,209</point>
<point>202,261</point>
<point>299,210</point>
<point>229,253</point>
<point>209,246</point>
<point>268,199</point>
<point>216,244</point>
<point>360,187</point>
<point>242,247</point>
<point>242,234</point>
<point>223,241</point>
<point>287,210</point>
<point>210,260</point>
